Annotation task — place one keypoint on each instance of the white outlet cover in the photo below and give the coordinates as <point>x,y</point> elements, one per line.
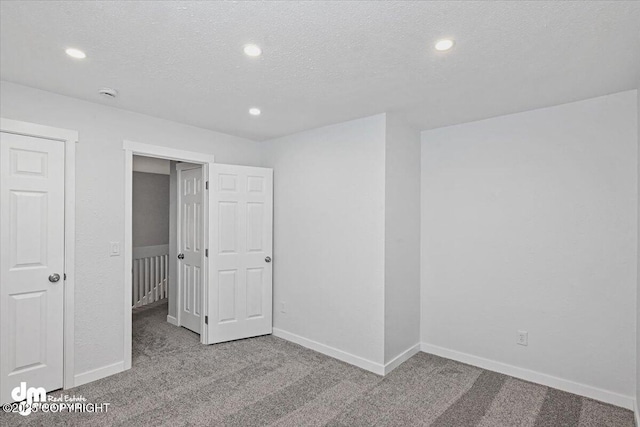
<point>523,338</point>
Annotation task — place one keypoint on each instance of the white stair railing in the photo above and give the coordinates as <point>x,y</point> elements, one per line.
<point>150,274</point>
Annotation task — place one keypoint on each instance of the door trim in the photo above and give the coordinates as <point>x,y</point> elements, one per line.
<point>70,138</point>
<point>179,168</point>
<point>132,148</point>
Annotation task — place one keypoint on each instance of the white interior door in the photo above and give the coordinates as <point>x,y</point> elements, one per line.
<point>190,246</point>
<point>240,294</point>
<point>31,262</point>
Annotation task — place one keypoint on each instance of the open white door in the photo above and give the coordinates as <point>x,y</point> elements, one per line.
<point>190,245</point>
<point>31,262</point>
<point>241,229</point>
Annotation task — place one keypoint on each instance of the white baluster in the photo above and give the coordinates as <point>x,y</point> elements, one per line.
<point>134,283</point>
<point>147,285</point>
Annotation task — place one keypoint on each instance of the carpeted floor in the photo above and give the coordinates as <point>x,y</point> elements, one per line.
<point>176,381</point>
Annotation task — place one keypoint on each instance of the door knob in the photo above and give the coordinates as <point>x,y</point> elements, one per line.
<point>180,256</point>
<point>267,259</point>
<point>54,278</point>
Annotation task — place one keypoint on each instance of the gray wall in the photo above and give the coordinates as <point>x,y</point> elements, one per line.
<point>150,209</point>
<point>402,238</point>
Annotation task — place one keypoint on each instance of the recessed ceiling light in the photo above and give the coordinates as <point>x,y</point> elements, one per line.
<point>444,44</point>
<point>75,53</point>
<point>252,50</point>
<point>254,111</point>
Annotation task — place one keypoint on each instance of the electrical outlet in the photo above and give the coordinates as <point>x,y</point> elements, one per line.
<point>523,338</point>
<point>282,307</point>
<point>114,248</point>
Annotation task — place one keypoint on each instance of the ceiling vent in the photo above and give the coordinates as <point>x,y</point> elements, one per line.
<point>107,92</point>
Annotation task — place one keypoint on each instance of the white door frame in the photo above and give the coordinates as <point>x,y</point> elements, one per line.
<point>70,138</point>
<point>178,303</point>
<point>132,148</point>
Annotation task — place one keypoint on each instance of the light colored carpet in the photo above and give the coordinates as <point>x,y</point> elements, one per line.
<point>176,381</point>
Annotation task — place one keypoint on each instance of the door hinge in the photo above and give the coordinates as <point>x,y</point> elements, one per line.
<point>206,320</point>
<point>206,253</point>
<point>64,276</point>
<point>206,185</point>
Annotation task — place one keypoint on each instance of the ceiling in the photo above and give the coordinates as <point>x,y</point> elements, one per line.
<point>322,62</point>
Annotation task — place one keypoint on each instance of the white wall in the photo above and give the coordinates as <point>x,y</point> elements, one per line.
<point>329,235</point>
<point>529,222</point>
<point>100,199</point>
<point>402,237</point>
<point>347,238</point>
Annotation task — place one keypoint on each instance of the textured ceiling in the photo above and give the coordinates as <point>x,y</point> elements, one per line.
<point>323,62</point>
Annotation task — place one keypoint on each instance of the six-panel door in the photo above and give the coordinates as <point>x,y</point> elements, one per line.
<point>240,297</point>
<point>31,262</point>
<point>190,245</point>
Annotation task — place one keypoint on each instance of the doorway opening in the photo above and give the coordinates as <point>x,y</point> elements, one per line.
<point>168,253</point>
<point>228,230</point>
<point>168,238</point>
<point>151,230</point>
<point>166,224</point>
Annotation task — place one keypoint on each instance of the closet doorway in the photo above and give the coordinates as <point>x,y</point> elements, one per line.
<point>223,247</point>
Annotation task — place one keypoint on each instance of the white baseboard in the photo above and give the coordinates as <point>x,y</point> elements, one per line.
<point>376,368</point>
<point>637,412</point>
<point>401,358</point>
<point>172,320</point>
<point>352,359</point>
<point>99,373</point>
<point>602,395</point>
